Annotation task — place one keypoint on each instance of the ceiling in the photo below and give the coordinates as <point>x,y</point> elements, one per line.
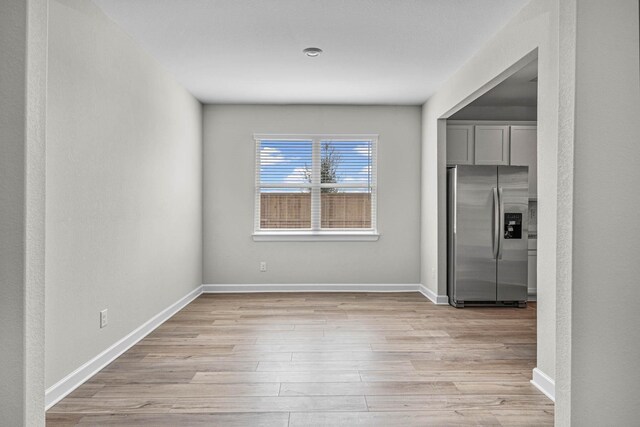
<point>521,90</point>
<point>250,51</point>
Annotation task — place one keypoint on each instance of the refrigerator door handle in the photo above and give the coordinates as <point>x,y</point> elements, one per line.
<point>454,188</point>
<point>500,223</point>
<point>496,223</point>
<point>453,207</point>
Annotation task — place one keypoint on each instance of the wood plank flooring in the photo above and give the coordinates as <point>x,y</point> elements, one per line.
<point>325,359</point>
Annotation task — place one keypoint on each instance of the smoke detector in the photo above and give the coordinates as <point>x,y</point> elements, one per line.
<point>312,52</point>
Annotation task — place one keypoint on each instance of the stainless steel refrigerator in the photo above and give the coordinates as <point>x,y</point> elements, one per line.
<point>487,235</point>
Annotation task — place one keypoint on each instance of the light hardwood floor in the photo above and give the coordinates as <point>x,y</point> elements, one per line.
<point>323,359</point>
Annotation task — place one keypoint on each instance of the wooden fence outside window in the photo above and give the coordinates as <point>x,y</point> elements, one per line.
<point>293,210</point>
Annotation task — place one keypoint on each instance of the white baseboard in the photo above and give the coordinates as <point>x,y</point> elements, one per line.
<point>436,299</point>
<point>310,287</point>
<point>59,390</point>
<point>544,383</point>
<point>62,388</point>
<point>532,296</point>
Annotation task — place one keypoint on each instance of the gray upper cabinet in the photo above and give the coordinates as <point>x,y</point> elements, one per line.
<point>524,153</point>
<point>460,144</point>
<point>497,143</point>
<point>491,145</point>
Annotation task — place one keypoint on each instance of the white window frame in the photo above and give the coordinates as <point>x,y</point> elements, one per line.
<point>315,233</point>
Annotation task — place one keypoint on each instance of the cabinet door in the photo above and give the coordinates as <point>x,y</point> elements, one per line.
<point>460,145</point>
<point>524,152</point>
<point>491,145</point>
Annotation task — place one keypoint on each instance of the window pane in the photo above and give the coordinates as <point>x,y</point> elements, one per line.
<point>346,208</point>
<point>285,162</point>
<point>345,162</point>
<point>285,208</point>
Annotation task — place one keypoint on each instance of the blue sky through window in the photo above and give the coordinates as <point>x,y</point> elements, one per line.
<point>289,162</point>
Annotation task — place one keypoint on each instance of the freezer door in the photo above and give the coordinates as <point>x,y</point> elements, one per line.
<point>513,190</point>
<point>472,200</point>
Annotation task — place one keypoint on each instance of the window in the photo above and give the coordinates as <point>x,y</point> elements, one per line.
<point>315,187</point>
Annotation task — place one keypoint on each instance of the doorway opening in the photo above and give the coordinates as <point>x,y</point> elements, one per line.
<point>498,125</point>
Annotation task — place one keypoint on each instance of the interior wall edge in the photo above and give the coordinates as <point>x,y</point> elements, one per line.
<point>533,31</point>
<point>23,44</point>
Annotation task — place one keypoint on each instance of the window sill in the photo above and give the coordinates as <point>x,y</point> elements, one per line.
<point>318,236</point>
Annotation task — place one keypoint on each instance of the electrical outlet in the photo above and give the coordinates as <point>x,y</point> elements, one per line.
<point>263,266</point>
<point>103,318</point>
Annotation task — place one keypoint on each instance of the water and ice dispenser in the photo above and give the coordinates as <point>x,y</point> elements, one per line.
<point>512,225</point>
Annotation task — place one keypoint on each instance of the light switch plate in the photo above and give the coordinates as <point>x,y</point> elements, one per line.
<point>103,318</point>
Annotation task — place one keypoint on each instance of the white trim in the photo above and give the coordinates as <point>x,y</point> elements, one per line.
<point>283,185</point>
<point>309,287</point>
<point>310,236</point>
<point>345,185</point>
<point>59,390</point>
<point>436,299</point>
<point>532,296</point>
<point>315,185</point>
<point>533,123</point>
<point>306,185</point>
<point>544,383</point>
<point>316,179</point>
<point>309,136</point>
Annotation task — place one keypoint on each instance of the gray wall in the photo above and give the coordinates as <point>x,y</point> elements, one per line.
<point>230,254</point>
<point>603,128</point>
<point>23,31</point>
<point>123,223</point>
<point>484,112</point>
<point>534,28</point>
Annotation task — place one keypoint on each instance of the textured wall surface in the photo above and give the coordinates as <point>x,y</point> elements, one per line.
<point>605,320</point>
<point>123,187</point>
<point>566,140</point>
<point>230,254</point>
<point>23,35</point>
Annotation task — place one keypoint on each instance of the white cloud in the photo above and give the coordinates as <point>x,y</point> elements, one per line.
<point>270,156</point>
<point>297,176</point>
<point>362,176</point>
<point>362,150</point>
